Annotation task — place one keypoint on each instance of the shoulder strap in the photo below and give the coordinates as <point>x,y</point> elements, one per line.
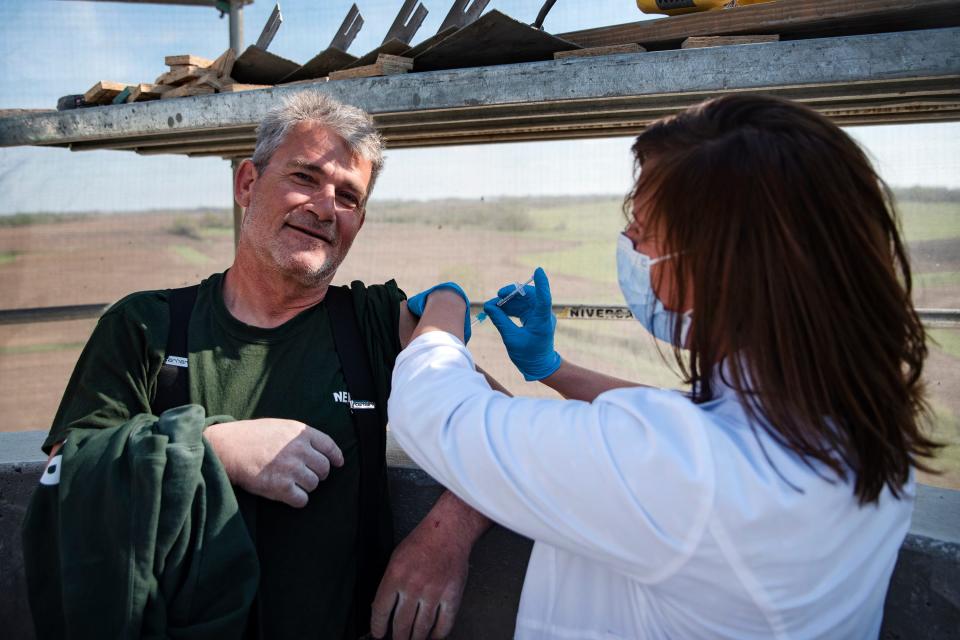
<point>173,382</point>
<point>369,422</point>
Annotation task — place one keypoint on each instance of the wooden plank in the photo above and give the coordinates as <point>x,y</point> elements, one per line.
<point>385,65</point>
<point>223,65</point>
<point>180,75</point>
<point>256,66</point>
<point>792,19</point>
<point>391,47</point>
<point>211,79</point>
<point>494,39</point>
<point>189,59</point>
<point>103,92</point>
<point>308,81</point>
<point>599,51</point>
<point>144,92</point>
<point>700,42</point>
<point>236,86</point>
<point>188,90</point>
<point>330,59</point>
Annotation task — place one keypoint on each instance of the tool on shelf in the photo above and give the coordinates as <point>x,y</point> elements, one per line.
<point>679,7</point>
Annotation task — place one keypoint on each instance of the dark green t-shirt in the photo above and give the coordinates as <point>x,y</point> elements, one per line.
<point>307,556</point>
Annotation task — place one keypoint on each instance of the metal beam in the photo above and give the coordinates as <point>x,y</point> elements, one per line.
<point>944,318</point>
<point>236,26</point>
<point>894,77</point>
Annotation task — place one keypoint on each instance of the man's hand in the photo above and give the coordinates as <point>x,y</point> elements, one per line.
<point>281,460</point>
<point>424,581</point>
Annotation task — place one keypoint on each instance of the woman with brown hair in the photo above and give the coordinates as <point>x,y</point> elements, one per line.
<point>772,499</point>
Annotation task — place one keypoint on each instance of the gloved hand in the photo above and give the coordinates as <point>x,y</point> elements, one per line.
<point>529,346</point>
<point>417,303</point>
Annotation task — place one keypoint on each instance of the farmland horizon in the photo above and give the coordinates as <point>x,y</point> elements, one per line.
<point>904,193</point>
<point>96,258</point>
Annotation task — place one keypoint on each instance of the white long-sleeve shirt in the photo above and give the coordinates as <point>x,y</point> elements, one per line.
<point>652,517</point>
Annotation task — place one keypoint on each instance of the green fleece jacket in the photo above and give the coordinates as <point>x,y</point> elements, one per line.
<point>141,516</point>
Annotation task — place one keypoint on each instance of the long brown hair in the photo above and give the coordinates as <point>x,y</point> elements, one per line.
<point>790,243</point>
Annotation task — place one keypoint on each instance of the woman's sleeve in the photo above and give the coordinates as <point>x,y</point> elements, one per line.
<point>626,480</point>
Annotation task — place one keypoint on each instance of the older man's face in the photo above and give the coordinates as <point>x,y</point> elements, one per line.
<point>305,209</point>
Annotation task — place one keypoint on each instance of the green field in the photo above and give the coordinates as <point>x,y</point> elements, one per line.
<point>191,255</point>
<point>946,340</point>
<point>924,221</point>
<point>40,348</point>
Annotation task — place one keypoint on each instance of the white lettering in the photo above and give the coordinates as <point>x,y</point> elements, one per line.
<point>176,361</point>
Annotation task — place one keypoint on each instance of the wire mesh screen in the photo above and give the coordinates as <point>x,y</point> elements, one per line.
<point>88,228</point>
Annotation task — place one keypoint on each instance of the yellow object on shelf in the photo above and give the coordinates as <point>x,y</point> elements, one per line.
<point>677,7</point>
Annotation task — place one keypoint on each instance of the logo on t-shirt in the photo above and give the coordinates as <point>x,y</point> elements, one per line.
<point>355,405</point>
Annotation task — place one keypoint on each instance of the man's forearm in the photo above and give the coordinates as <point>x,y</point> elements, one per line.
<point>423,585</point>
<point>459,523</point>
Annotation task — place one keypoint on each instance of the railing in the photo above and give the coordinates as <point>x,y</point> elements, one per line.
<point>931,317</point>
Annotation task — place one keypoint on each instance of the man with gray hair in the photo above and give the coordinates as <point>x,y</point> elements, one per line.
<point>260,343</point>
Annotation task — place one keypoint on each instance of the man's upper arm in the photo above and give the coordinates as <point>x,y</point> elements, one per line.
<point>114,377</point>
<point>407,323</point>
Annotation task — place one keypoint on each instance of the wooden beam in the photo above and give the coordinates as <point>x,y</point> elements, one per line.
<point>223,65</point>
<point>701,42</point>
<point>143,92</point>
<point>384,66</point>
<point>180,75</point>
<point>599,51</point>
<point>103,92</point>
<point>188,90</point>
<point>791,19</point>
<point>197,61</point>
<point>236,86</point>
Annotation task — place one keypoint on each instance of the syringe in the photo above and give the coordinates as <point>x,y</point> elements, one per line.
<point>519,289</point>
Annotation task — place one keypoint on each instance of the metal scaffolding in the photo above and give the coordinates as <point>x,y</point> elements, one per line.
<point>909,76</point>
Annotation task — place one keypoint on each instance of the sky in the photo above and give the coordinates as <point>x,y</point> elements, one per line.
<point>50,48</point>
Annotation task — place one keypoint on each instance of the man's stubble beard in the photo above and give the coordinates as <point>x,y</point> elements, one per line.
<point>283,262</point>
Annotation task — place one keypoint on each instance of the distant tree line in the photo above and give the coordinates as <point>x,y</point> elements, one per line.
<point>926,194</point>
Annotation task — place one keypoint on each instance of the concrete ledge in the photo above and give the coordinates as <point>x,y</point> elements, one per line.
<point>923,601</point>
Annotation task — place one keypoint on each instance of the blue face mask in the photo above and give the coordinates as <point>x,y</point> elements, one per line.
<point>633,273</point>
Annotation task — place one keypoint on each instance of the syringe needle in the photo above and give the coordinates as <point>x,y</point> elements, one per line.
<point>518,290</point>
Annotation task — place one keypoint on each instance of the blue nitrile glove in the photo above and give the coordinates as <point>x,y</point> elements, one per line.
<point>419,301</point>
<point>530,346</point>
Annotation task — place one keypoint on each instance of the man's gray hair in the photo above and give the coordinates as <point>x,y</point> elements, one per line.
<point>352,124</point>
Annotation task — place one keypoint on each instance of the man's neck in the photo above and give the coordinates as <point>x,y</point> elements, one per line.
<point>265,298</point>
